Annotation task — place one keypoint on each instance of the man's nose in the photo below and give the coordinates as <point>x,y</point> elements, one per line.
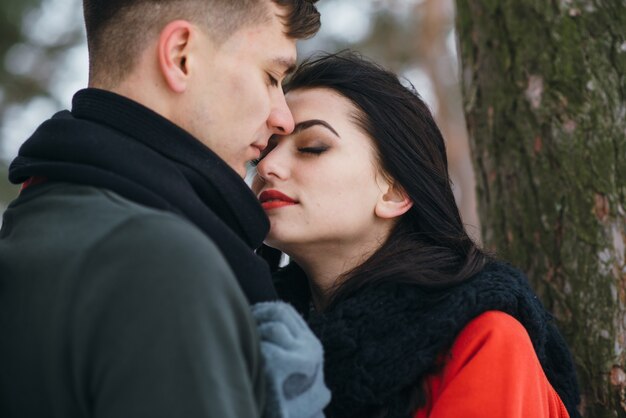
<point>280,120</point>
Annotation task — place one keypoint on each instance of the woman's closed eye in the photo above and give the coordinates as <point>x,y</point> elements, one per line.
<point>310,150</point>
<point>313,150</point>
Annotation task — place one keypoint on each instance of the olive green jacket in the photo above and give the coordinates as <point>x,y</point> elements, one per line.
<point>111,309</point>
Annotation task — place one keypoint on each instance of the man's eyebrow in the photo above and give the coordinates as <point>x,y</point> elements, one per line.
<point>300,126</point>
<point>289,64</point>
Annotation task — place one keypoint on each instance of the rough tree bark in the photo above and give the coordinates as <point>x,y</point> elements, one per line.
<point>544,91</point>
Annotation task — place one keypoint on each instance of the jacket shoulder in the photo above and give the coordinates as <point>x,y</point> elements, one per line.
<point>145,243</point>
<point>492,370</point>
<point>102,234</point>
<point>93,215</point>
<point>496,330</point>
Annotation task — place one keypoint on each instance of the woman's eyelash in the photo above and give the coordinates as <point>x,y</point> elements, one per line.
<point>305,150</point>
<point>313,150</point>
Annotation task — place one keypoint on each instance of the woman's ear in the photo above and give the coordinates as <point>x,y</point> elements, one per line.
<point>173,54</point>
<point>393,202</point>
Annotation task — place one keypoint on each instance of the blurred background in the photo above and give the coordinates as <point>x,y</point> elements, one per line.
<point>549,131</point>
<point>44,61</point>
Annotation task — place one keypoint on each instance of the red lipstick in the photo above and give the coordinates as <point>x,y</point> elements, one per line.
<point>271,199</point>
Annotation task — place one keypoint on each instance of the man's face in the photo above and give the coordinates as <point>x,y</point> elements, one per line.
<point>236,101</point>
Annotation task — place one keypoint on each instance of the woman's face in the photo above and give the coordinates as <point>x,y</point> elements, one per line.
<point>320,185</point>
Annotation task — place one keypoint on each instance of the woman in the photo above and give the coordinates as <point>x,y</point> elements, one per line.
<point>415,320</point>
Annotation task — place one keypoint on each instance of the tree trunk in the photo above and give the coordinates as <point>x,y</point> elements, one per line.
<point>544,92</point>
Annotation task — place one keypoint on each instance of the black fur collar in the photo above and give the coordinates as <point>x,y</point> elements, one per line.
<point>382,342</point>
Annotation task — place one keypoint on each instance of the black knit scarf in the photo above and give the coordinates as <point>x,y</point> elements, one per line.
<point>382,342</point>
<point>112,142</point>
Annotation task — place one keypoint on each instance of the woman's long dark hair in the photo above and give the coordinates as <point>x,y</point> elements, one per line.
<point>429,245</point>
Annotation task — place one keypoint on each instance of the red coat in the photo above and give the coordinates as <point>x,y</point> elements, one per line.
<point>492,372</point>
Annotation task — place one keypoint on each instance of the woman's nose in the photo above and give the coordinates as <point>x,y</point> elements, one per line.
<point>274,165</point>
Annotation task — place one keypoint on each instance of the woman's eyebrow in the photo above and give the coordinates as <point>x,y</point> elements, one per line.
<point>300,126</point>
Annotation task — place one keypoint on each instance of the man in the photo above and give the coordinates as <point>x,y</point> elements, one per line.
<point>126,261</point>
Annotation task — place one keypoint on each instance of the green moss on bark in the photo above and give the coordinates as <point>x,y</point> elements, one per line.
<point>544,86</point>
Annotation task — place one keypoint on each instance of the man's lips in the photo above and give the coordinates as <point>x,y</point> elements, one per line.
<point>271,199</point>
<point>257,150</point>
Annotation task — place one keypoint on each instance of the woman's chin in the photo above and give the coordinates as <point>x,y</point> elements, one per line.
<point>281,243</point>
<point>273,242</point>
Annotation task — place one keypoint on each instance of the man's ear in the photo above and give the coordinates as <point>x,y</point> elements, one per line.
<point>173,51</point>
<point>393,202</point>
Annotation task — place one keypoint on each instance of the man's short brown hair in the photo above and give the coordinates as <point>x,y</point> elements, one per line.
<point>118,30</point>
